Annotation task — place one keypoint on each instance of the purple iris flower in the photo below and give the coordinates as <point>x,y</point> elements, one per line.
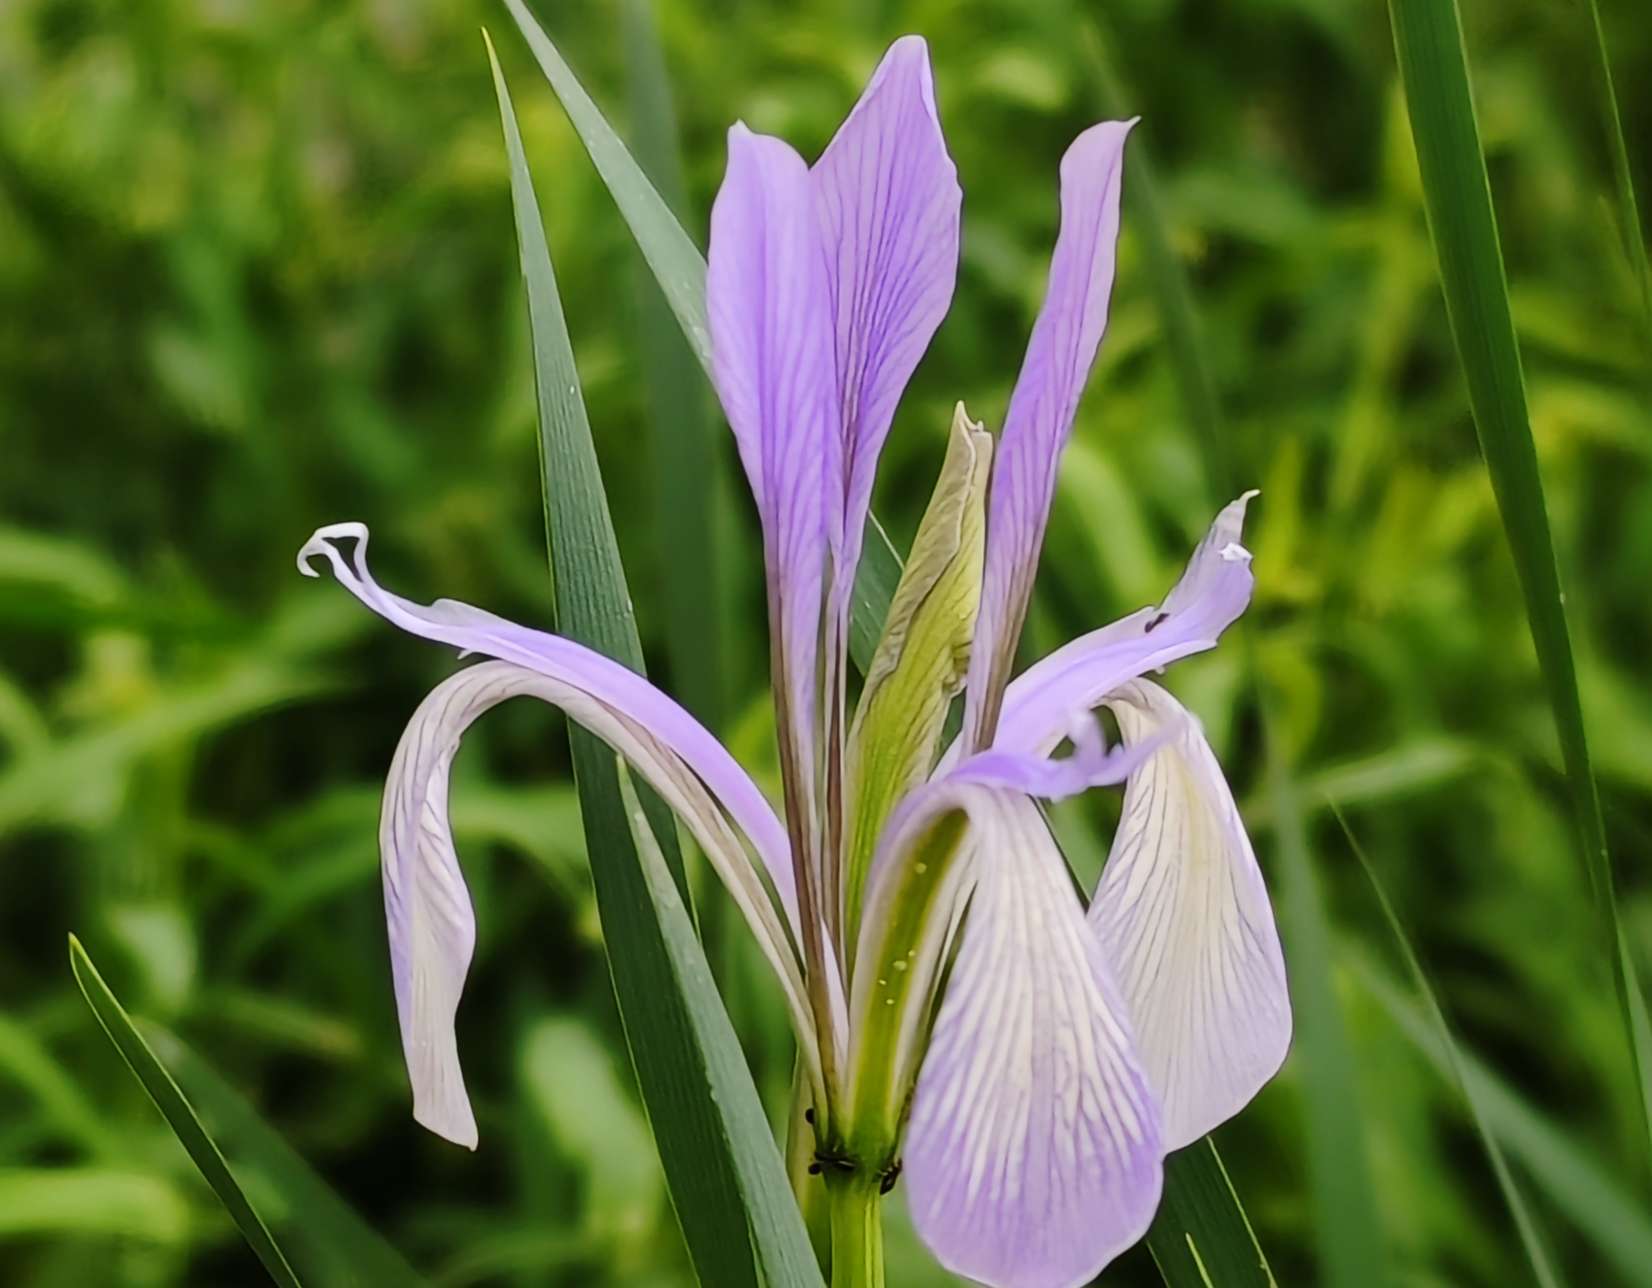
<point>958,1009</point>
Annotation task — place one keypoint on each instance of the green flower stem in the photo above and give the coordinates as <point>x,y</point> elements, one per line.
<point>857,1229</point>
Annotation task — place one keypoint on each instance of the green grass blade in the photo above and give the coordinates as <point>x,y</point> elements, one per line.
<point>676,261</point>
<point>1575,1183</point>
<point>1623,180</point>
<point>1346,1232</point>
<point>1201,1236</point>
<point>784,1250</point>
<point>680,269</point>
<point>683,438</point>
<point>178,1114</point>
<point>701,1101</point>
<point>1525,1223</point>
<point>1428,38</point>
<point>327,1237</point>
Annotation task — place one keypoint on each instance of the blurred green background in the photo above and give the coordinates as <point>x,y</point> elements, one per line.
<point>258,273</point>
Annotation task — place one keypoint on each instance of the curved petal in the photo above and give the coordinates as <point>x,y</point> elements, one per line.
<point>1063,345</point>
<point>1212,593</point>
<point>616,687</point>
<point>1185,919</point>
<point>1034,1154</point>
<point>888,200</point>
<point>1092,764</point>
<point>772,359</point>
<point>432,930</point>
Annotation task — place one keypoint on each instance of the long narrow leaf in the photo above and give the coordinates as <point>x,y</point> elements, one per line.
<point>1428,37</point>
<point>1525,1222</point>
<point>713,1140</point>
<point>784,1250</point>
<point>333,1244</point>
<point>178,1114</point>
<point>1201,1235</point>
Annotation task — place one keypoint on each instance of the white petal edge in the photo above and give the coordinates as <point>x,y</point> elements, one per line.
<point>1184,917</point>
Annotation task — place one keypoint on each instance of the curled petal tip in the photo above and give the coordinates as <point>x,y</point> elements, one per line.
<point>321,544</point>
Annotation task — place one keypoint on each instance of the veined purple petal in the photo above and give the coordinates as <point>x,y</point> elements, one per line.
<point>888,198</point>
<point>1212,593</point>
<point>1034,1153</point>
<point>432,930</point>
<point>1040,417</point>
<point>772,356</point>
<point>1184,917</point>
<point>616,687</point>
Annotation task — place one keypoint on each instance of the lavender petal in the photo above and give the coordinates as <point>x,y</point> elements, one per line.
<point>1034,1154</point>
<point>1063,345</point>
<point>1212,593</point>
<point>888,200</point>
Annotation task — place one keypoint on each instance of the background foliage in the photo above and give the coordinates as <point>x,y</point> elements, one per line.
<point>257,273</point>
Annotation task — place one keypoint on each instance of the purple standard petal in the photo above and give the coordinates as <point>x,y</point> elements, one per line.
<point>615,687</point>
<point>1040,417</point>
<point>1214,590</point>
<point>772,358</point>
<point>1185,920</point>
<point>1034,1153</point>
<point>888,199</point>
<point>432,930</point>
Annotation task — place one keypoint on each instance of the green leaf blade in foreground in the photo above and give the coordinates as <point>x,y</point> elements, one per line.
<point>1201,1235</point>
<point>179,1115</point>
<point>722,1166</point>
<point>324,1234</point>
<point>1428,40</point>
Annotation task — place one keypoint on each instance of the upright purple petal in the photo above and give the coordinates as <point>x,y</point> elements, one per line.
<point>888,198</point>
<point>770,317</point>
<point>1034,1153</point>
<point>1040,417</point>
<point>1212,593</point>
<point>1185,920</point>
<point>614,686</point>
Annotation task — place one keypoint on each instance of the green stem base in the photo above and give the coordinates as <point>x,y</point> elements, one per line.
<point>857,1230</point>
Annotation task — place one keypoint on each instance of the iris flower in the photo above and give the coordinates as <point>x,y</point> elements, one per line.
<point>1021,1061</point>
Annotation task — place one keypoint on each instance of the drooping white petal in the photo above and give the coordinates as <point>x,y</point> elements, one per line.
<point>1184,917</point>
<point>427,907</point>
<point>1034,1153</point>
